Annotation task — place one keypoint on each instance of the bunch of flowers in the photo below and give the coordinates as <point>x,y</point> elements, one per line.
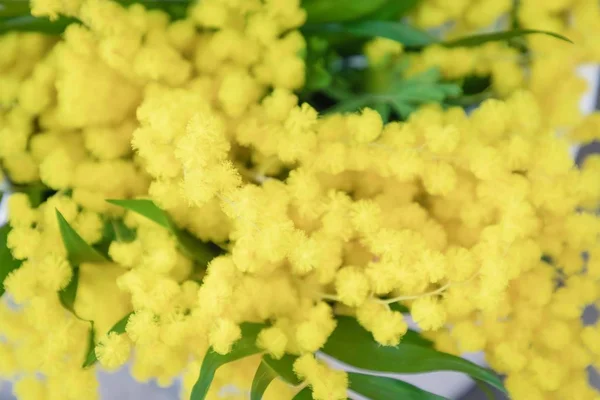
<point>214,194</point>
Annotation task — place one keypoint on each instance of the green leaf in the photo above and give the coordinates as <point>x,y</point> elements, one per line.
<point>147,208</point>
<point>36,192</point>
<point>414,337</point>
<point>383,388</point>
<point>352,104</point>
<point>122,232</point>
<point>12,8</point>
<point>7,261</point>
<point>398,31</point>
<point>384,111</point>
<point>352,344</point>
<point>304,394</point>
<point>392,10</point>
<point>199,251</point>
<point>284,367</point>
<point>29,23</point>
<point>262,379</point>
<point>91,347</point>
<point>319,11</point>
<point>402,108</point>
<point>78,250</point>
<point>244,347</point>
<point>401,308</point>
<point>477,40</point>
<point>489,393</point>
<point>118,328</point>
<point>68,293</point>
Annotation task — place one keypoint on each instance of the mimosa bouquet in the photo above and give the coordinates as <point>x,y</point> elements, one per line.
<point>238,192</point>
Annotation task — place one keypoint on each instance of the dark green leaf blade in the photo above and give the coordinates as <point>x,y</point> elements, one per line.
<point>244,347</point>
<point>145,207</point>
<point>393,10</point>
<point>398,31</point>
<point>405,358</point>
<point>414,337</point>
<point>78,251</point>
<point>194,248</point>
<point>29,23</point>
<point>476,40</point>
<point>68,294</point>
<point>304,394</point>
<point>318,11</point>
<point>91,347</point>
<point>383,388</point>
<point>7,261</point>
<point>118,327</point>
<point>284,368</point>
<point>263,377</point>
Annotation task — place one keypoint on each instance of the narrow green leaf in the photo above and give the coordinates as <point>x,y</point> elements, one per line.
<point>91,347</point>
<point>403,108</point>
<point>147,208</point>
<point>118,327</point>
<point>392,10</point>
<point>12,8</point>
<point>69,293</point>
<point>29,23</point>
<point>122,232</point>
<point>262,379</point>
<point>7,261</point>
<point>78,251</point>
<point>477,40</point>
<point>414,337</point>
<point>383,388</point>
<point>399,307</point>
<point>398,31</point>
<point>244,347</point>
<point>384,111</point>
<point>487,391</point>
<point>284,367</point>
<point>194,248</point>
<point>405,358</point>
<point>352,104</point>
<point>319,11</point>
<point>304,394</point>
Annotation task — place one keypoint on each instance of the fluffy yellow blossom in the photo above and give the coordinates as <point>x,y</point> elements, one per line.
<point>273,340</point>
<point>113,350</point>
<point>428,313</point>
<point>325,383</point>
<point>223,335</point>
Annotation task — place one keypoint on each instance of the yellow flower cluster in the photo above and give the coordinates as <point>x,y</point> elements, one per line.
<point>552,76</point>
<point>476,223</point>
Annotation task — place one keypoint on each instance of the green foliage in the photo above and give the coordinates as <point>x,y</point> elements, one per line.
<point>244,347</point>
<point>352,344</point>
<point>383,388</point>
<point>304,394</point>
<point>68,294</point>
<point>78,250</point>
<point>199,251</point>
<point>15,15</point>
<point>118,328</point>
<point>398,31</point>
<point>319,11</point>
<point>403,96</point>
<point>478,40</point>
<point>263,377</point>
<point>392,10</point>
<point>7,261</point>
